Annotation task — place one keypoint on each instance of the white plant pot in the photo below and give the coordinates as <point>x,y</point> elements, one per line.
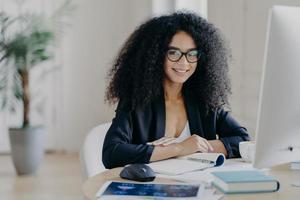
<point>27,148</point>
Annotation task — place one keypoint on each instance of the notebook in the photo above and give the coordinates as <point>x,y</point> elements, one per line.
<point>185,164</point>
<point>247,181</point>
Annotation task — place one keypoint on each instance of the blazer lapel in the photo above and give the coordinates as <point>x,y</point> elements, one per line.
<point>159,113</point>
<point>193,115</point>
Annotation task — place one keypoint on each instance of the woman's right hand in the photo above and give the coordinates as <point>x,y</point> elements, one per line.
<point>194,144</point>
<point>164,141</point>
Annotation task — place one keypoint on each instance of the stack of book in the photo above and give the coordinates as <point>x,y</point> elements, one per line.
<point>247,181</point>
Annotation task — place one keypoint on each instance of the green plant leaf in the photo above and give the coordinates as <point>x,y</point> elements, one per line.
<point>25,41</point>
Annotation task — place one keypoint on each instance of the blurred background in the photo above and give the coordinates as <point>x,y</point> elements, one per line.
<point>69,89</point>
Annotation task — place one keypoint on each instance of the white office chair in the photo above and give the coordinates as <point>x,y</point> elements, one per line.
<point>91,152</point>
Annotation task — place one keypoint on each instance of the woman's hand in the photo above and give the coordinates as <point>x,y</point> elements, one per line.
<point>194,144</point>
<point>167,147</point>
<point>164,141</point>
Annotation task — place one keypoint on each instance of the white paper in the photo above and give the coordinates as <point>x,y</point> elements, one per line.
<point>190,163</point>
<point>205,175</point>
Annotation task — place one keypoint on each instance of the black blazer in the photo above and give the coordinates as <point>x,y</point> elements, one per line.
<point>126,139</point>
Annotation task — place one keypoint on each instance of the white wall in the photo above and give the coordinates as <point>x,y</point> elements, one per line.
<point>98,30</point>
<point>244,23</point>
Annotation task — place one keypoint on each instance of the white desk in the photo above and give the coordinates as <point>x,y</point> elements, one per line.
<point>282,173</point>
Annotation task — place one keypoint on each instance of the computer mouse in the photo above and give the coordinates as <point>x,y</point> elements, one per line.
<point>138,172</point>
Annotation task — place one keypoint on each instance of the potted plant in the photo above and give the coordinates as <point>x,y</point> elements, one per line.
<point>26,40</point>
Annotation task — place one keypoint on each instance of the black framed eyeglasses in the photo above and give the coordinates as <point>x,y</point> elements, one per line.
<point>191,56</point>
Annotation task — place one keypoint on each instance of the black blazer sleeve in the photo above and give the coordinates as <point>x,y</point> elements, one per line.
<point>118,149</point>
<point>230,133</point>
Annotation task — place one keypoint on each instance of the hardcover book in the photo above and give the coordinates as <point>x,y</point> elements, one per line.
<point>247,181</point>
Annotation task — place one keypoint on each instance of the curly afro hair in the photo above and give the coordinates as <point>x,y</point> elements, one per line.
<point>137,74</point>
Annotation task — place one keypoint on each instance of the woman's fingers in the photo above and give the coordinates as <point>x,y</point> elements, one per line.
<point>203,144</point>
<point>202,149</point>
<point>173,140</point>
<point>210,148</point>
<point>159,141</point>
<point>165,141</point>
<point>156,141</point>
<point>162,141</point>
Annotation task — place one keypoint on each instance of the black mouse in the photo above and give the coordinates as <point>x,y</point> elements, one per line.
<point>138,172</point>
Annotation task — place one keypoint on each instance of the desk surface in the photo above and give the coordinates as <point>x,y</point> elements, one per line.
<point>282,173</point>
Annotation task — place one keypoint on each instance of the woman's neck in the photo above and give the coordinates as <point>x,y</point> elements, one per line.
<point>172,91</point>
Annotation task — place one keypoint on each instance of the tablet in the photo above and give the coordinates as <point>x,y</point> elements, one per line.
<point>125,189</point>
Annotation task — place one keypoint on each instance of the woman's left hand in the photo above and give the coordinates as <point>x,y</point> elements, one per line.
<point>164,141</point>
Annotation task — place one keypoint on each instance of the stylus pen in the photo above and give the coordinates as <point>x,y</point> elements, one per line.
<point>201,160</point>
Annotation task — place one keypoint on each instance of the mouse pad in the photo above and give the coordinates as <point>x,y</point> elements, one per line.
<point>153,190</point>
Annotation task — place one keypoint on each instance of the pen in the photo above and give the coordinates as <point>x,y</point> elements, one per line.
<point>201,160</point>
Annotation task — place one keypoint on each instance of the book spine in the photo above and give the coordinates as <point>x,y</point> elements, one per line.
<point>247,191</point>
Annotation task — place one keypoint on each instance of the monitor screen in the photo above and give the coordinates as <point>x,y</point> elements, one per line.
<point>278,121</point>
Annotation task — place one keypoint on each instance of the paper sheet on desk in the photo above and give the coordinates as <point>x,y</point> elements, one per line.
<point>194,162</point>
<point>205,175</point>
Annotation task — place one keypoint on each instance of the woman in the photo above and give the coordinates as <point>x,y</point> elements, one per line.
<point>171,81</point>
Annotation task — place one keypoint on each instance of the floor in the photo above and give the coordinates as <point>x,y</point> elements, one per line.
<point>57,178</point>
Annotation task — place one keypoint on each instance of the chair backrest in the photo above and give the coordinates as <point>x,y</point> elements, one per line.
<point>91,151</point>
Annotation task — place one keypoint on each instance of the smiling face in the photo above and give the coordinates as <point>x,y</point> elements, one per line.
<point>177,72</point>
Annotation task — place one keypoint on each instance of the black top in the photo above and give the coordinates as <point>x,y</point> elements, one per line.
<point>126,139</point>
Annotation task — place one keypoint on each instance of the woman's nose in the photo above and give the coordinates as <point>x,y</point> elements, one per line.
<point>183,60</point>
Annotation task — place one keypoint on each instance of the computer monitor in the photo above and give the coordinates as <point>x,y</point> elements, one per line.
<point>278,122</point>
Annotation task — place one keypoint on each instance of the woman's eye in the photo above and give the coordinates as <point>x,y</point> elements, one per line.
<point>174,52</point>
<point>193,53</point>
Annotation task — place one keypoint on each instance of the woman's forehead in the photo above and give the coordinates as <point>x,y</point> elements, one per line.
<point>183,41</point>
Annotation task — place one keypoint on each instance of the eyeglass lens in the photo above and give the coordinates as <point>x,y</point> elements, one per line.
<point>175,55</point>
